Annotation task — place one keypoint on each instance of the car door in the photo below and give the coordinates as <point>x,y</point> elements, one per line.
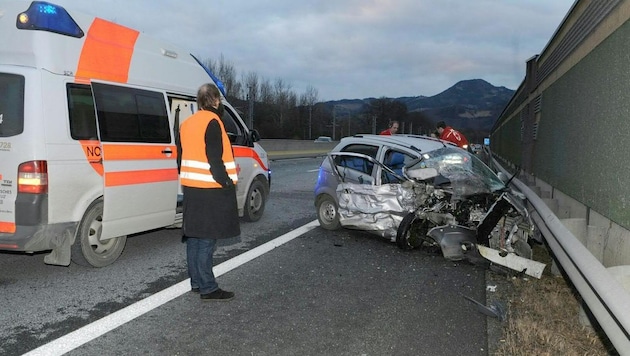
<point>139,159</point>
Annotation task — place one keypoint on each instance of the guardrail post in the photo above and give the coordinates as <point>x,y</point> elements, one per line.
<point>577,226</point>
<point>595,237</point>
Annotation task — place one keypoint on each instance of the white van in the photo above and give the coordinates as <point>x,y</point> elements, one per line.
<point>88,114</point>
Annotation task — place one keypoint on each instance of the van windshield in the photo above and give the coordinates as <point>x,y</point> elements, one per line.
<point>11,104</point>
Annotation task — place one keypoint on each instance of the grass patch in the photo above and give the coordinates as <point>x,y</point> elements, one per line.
<point>543,317</point>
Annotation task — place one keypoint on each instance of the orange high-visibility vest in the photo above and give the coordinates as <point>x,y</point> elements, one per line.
<point>195,168</point>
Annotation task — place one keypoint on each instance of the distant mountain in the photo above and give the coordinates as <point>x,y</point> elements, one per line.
<point>469,105</point>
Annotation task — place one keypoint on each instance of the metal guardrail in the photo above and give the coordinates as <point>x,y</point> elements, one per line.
<point>607,300</point>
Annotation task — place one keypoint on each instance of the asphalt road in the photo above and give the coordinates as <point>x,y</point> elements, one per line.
<point>322,293</point>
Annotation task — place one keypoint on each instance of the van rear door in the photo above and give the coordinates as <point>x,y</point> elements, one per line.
<point>11,126</point>
<point>139,159</point>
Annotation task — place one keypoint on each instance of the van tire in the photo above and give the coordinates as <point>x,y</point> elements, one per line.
<point>255,201</point>
<point>87,250</point>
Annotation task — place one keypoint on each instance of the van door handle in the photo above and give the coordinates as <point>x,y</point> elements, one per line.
<point>167,152</point>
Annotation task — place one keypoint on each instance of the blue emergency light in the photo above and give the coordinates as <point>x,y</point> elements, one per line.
<point>45,16</point>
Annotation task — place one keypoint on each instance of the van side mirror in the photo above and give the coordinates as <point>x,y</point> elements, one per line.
<point>255,136</point>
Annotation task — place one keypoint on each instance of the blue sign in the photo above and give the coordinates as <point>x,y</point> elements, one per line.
<point>486,141</point>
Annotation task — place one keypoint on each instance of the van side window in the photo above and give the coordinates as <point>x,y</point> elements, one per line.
<point>11,104</point>
<point>81,112</point>
<point>131,115</point>
<point>235,133</point>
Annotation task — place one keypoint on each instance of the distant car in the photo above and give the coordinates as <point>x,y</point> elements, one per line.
<point>323,139</point>
<point>414,190</point>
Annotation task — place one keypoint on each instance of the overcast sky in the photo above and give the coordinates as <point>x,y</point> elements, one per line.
<point>351,49</point>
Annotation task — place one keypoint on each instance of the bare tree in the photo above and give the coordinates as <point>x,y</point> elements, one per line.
<point>250,81</point>
<point>227,74</point>
<point>266,92</point>
<point>308,99</point>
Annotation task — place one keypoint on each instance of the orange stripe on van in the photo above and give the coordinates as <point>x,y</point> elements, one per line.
<point>7,227</point>
<point>113,179</point>
<point>92,151</point>
<point>106,52</point>
<point>241,151</point>
<point>137,152</point>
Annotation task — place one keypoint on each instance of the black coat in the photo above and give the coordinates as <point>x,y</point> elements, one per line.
<point>211,213</point>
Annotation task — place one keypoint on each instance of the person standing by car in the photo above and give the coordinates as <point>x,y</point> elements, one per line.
<point>392,129</point>
<point>208,177</point>
<point>448,133</point>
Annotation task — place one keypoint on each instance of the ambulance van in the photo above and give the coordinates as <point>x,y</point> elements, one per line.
<point>89,112</point>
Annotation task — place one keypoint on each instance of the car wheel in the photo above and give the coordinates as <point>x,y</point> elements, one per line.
<point>88,249</point>
<point>328,213</point>
<point>411,232</point>
<point>255,201</point>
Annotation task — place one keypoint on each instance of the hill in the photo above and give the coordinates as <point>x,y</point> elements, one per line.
<point>471,106</point>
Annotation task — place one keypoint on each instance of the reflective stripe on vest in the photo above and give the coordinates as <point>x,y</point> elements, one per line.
<point>195,169</point>
<point>203,173</point>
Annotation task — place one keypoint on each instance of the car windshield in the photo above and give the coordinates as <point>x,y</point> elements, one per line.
<point>466,174</point>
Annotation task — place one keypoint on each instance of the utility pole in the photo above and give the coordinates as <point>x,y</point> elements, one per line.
<point>334,121</point>
<point>310,121</point>
<point>250,99</point>
<point>374,124</point>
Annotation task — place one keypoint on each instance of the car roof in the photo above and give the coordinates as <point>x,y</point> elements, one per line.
<point>408,141</point>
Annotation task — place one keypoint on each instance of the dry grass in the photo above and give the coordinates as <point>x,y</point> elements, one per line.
<point>543,318</point>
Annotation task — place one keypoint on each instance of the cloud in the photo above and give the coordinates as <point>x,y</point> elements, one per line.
<point>352,48</point>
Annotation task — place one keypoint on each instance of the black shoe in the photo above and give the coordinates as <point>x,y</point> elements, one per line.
<point>195,289</point>
<point>218,294</point>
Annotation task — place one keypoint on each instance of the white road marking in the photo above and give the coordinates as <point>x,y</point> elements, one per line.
<point>106,324</point>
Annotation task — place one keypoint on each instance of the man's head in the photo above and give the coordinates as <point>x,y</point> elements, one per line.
<point>440,126</point>
<point>208,97</point>
<point>393,127</point>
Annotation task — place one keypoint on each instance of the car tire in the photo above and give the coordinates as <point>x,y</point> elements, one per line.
<point>88,249</point>
<point>411,232</point>
<point>255,201</point>
<point>328,213</point>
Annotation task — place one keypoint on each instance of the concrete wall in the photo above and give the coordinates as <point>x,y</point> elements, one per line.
<point>578,96</point>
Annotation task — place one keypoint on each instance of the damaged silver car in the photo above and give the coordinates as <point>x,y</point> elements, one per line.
<point>418,191</point>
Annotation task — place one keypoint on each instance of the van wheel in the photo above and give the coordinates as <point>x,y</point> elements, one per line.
<point>328,213</point>
<point>88,249</point>
<point>255,201</point>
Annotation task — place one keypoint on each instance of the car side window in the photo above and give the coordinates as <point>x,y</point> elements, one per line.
<point>356,163</point>
<point>395,160</point>
<point>367,150</point>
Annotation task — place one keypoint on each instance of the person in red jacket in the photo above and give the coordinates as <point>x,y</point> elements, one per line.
<point>448,133</point>
<point>392,130</point>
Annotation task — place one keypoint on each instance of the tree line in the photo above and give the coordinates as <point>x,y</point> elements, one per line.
<point>276,110</point>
